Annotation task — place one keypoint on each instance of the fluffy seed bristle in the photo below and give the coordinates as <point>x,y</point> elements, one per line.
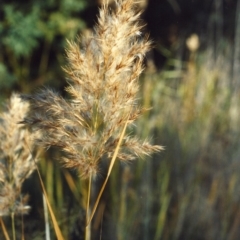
<point>16,160</point>
<point>103,71</point>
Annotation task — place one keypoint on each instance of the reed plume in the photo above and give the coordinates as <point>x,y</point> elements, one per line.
<point>103,70</point>
<point>16,159</point>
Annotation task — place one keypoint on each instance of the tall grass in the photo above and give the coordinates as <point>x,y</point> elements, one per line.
<point>195,185</point>
<point>17,159</point>
<point>191,190</point>
<point>103,73</point>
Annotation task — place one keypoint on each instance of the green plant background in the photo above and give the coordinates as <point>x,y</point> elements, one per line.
<point>188,191</point>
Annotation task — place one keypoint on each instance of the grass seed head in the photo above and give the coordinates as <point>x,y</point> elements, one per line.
<point>103,70</point>
<point>16,159</point>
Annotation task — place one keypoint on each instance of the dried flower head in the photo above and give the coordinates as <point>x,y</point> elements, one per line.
<point>16,160</point>
<point>103,73</point>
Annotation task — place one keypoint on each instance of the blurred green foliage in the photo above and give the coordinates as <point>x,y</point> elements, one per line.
<point>33,35</point>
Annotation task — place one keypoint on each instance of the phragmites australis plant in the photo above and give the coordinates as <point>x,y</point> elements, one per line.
<point>16,157</point>
<point>103,70</point>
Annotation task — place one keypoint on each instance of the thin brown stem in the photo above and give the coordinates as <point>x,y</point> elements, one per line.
<point>55,224</point>
<point>4,230</point>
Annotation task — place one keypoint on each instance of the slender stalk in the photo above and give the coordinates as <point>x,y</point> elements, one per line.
<point>88,226</point>
<point>47,228</point>
<point>4,230</point>
<point>22,222</point>
<point>13,226</point>
<point>54,220</point>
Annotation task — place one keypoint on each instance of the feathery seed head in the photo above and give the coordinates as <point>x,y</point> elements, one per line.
<point>16,160</point>
<point>103,71</point>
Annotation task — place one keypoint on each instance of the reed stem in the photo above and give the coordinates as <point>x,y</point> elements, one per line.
<point>88,226</point>
<point>4,230</point>
<point>13,226</point>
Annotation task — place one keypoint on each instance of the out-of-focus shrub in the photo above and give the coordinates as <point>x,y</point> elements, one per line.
<point>33,35</point>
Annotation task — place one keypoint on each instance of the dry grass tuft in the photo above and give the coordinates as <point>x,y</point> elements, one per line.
<point>16,160</point>
<point>103,74</point>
